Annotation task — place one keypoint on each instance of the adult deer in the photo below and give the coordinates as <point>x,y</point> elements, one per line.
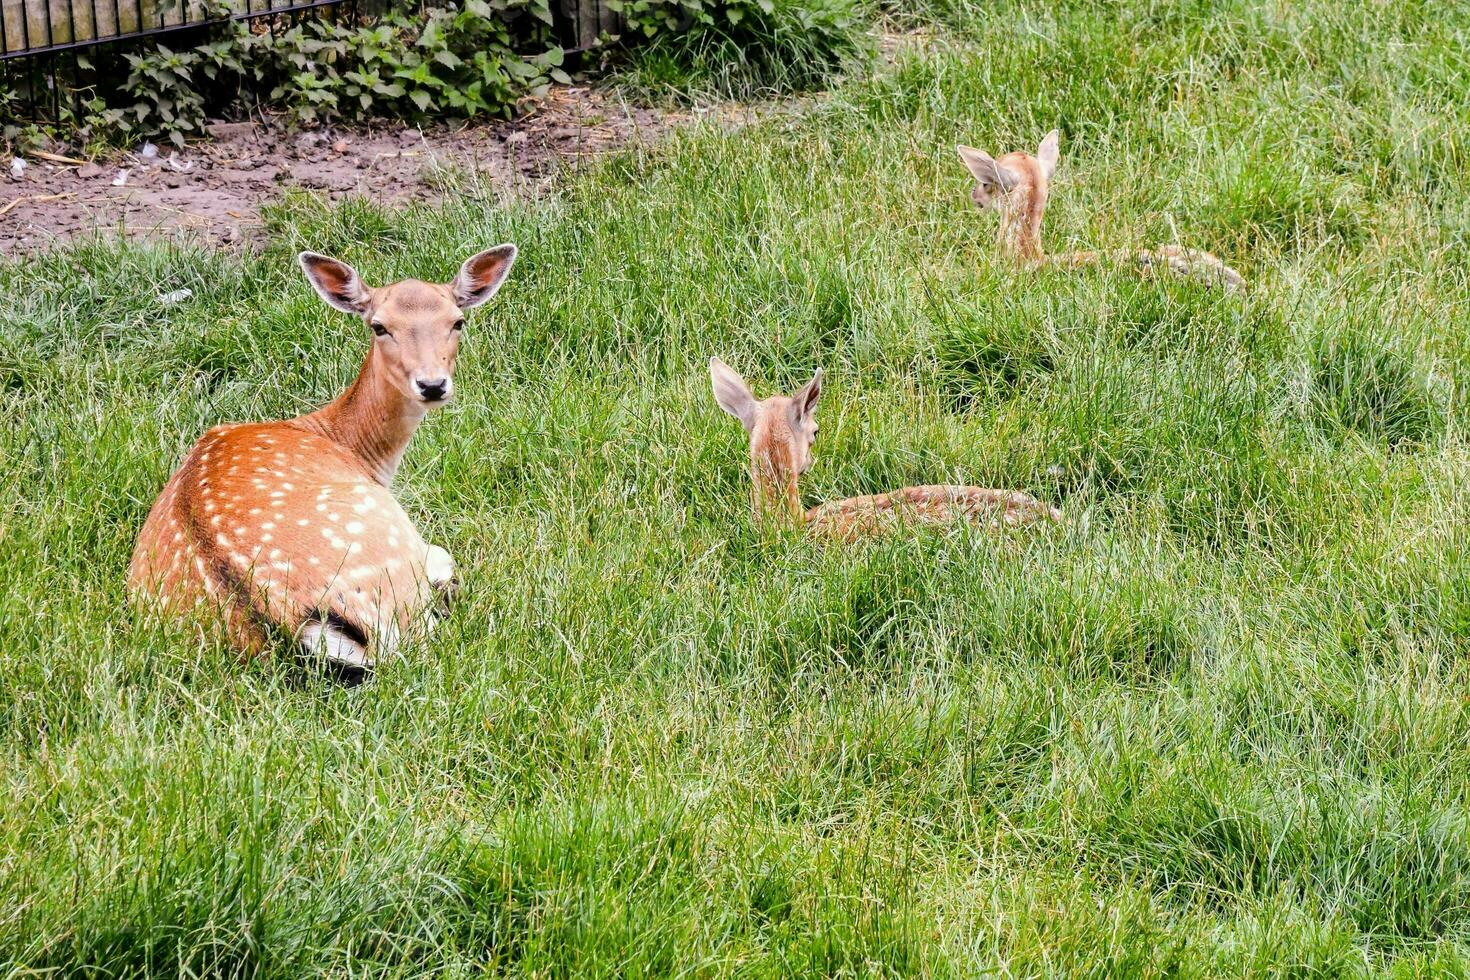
<point>782,430</point>
<point>291,525</point>
<point>1018,186</point>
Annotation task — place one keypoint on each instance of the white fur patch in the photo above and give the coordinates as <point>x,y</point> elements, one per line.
<point>320,640</point>
<point>438,566</point>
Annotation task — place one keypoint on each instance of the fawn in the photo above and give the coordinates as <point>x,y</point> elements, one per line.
<point>1017,185</point>
<point>782,430</point>
<point>291,525</point>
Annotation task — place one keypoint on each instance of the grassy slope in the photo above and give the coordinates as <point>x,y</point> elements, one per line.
<point>1218,724</point>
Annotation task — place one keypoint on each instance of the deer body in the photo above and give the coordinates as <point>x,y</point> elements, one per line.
<point>292,525</point>
<point>1189,262</point>
<point>782,430</point>
<point>1018,186</point>
<point>933,504</point>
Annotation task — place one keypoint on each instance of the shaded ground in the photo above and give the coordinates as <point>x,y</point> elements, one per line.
<point>214,188</point>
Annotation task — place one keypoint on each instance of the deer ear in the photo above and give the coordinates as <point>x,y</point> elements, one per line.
<point>980,164</point>
<point>336,282</point>
<point>982,167</point>
<point>1048,153</point>
<point>481,275</point>
<point>733,393</point>
<point>804,402</point>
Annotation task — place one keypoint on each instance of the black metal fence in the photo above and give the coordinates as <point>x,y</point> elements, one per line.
<point>37,27</point>
<point>43,42</point>
<point>579,23</point>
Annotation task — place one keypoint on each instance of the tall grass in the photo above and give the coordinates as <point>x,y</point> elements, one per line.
<point>1214,725</point>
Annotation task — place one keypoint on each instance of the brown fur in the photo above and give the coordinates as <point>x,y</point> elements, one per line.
<point>1018,186</point>
<point>774,461</point>
<point>282,524</point>
<point>279,524</point>
<point>781,431</point>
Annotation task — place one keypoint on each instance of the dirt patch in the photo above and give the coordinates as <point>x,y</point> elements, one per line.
<point>213,189</point>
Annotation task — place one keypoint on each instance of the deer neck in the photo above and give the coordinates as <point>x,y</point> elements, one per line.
<point>1019,232</point>
<point>372,419</point>
<point>773,492</point>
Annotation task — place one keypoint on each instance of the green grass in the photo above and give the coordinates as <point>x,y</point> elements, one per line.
<point>1217,724</point>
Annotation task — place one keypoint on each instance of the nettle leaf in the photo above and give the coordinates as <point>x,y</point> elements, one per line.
<point>521,69</point>
<point>468,57</point>
<point>418,73</point>
<point>433,35</point>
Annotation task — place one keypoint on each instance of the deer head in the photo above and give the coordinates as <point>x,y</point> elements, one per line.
<point>416,325</point>
<point>781,430</point>
<point>1016,185</point>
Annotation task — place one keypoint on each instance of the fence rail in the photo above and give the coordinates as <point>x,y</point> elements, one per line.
<point>582,22</point>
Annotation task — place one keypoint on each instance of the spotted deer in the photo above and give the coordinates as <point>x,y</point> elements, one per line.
<point>291,525</point>
<point>1017,186</point>
<point>782,430</point>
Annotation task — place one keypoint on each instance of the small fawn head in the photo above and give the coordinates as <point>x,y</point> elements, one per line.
<point>1016,185</point>
<point>781,429</point>
<point>416,325</point>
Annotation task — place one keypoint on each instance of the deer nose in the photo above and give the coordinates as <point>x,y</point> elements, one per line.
<point>433,389</point>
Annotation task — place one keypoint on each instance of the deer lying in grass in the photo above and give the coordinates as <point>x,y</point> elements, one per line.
<point>1018,184</point>
<point>291,525</point>
<point>782,430</point>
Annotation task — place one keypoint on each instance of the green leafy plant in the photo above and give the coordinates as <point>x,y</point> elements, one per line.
<point>15,134</point>
<point>457,60</point>
<point>465,58</point>
<point>460,61</point>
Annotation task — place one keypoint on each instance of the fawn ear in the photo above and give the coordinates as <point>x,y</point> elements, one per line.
<point>481,275</point>
<point>984,168</point>
<point>1047,153</point>
<point>733,393</point>
<point>804,402</point>
<point>336,282</point>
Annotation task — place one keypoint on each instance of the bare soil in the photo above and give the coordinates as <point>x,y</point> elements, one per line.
<point>213,189</point>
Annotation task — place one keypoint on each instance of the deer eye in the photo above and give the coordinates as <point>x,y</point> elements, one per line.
<point>459,324</point>
<point>379,330</point>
